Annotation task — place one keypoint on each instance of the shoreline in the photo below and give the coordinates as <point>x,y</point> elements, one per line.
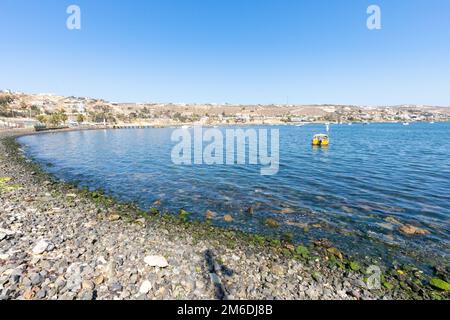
<point>97,248</point>
<point>158,125</point>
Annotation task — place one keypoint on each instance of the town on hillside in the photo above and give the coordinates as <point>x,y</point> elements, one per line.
<point>19,109</point>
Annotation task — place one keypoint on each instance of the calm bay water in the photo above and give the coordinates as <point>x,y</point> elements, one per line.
<point>343,193</point>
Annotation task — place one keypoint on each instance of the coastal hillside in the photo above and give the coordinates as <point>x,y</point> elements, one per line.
<point>22,108</point>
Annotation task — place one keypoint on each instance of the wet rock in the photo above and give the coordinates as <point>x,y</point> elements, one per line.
<point>442,272</point>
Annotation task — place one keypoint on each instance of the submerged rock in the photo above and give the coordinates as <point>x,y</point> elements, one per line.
<point>335,252</point>
<point>412,230</point>
<point>228,218</point>
<point>272,223</point>
<point>285,211</point>
<point>209,214</point>
<point>301,225</point>
<point>392,220</point>
<point>347,209</point>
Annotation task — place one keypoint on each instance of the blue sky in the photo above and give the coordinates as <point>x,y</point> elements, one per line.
<point>237,51</point>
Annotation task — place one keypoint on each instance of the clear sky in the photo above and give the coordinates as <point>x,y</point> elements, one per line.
<point>237,51</point>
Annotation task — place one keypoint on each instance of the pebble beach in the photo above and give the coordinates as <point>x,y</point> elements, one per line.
<point>59,242</point>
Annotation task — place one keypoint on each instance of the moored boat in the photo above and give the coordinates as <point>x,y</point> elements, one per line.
<point>321,140</point>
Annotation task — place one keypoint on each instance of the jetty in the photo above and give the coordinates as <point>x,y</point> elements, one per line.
<point>133,126</point>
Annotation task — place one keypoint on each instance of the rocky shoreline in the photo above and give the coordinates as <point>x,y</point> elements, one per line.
<point>59,242</point>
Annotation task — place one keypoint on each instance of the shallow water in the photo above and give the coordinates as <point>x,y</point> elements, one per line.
<point>342,193</point>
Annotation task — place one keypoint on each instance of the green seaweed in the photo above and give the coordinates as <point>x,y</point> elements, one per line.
<point>184,215</point>
<point>354,266</point>
<point>388,285</point>
<point>302,251</point>
<point>439,284</point>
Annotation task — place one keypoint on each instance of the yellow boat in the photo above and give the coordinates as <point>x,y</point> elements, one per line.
<point>321,140</point>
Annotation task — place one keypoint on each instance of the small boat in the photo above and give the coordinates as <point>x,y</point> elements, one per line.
<point>185,127</point>
<point>406,123</point>
<point>321,140</point>
<point>432,122</point>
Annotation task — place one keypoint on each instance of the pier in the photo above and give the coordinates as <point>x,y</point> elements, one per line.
<point>132,126</point>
